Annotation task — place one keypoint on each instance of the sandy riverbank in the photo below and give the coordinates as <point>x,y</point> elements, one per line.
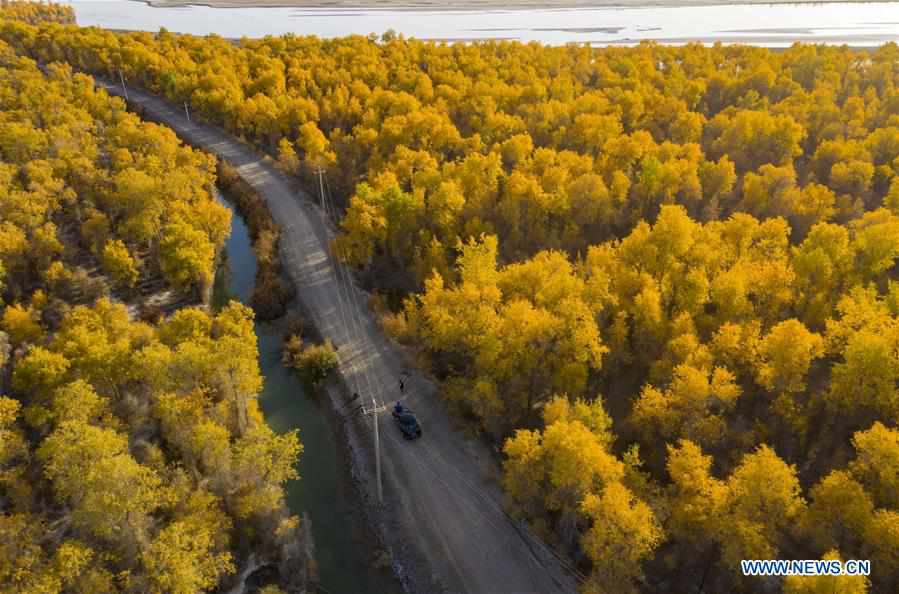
<point>433,5</point>
<point>861,41</point>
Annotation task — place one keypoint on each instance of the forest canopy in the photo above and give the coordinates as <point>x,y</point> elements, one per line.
<point>662,278</point>
<point>133,453</point>
<point>38,12</point>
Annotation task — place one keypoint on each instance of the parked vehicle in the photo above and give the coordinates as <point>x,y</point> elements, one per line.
<point>406,422</point>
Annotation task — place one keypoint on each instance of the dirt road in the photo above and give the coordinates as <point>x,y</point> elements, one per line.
<point>442,514</point>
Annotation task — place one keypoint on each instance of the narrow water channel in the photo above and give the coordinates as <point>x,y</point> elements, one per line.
<point>343,551</point>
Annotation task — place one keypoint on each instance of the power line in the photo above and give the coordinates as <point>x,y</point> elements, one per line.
<point>340,296</point>
<point>347,277</point>
<point>344,283</point>
<point>355,316</point>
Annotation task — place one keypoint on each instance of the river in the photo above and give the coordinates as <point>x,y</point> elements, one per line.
<point>773,25</point>
<point>343,549</point>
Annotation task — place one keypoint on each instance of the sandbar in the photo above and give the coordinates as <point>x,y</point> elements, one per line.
<point>436,5</point>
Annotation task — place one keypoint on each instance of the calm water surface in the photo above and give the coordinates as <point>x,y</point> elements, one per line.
<point>342,551</point>
<point>866,24</point>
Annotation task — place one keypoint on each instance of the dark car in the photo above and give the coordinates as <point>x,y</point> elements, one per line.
<point>407,423</point>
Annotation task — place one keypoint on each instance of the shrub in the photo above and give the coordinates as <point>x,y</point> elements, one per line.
<point>295,324</point>
<point>271,296</point>
<point>315,363</point>
<point>292,351</point>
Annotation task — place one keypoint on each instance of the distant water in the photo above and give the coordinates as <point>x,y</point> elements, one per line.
<point>780,25</point>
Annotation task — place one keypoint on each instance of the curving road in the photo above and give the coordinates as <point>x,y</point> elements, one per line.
<point>443,517</point>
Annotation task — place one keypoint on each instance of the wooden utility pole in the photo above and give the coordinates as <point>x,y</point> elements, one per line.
<point>124,88</point>
<point>374,417</point>
<point>321,193</point>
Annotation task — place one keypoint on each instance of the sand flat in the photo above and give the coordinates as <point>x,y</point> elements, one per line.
<point>435,5</point>
<point>871,39</point>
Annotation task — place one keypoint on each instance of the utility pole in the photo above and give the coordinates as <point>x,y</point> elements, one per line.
<point>124,88</point>
<point>373,411</point>
<point>186,112</point>
<point>374,418</point>
<point>321,191</point>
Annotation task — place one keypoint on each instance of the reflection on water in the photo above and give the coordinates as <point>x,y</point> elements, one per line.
<point>860,24</point>
<point>343,552</point>
<point>239,274</point>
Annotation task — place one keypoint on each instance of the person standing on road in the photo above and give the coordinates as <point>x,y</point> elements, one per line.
<point>402,385</point>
